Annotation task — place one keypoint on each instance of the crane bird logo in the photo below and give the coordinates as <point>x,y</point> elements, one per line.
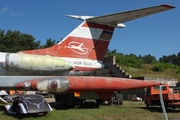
<point>78,48</point>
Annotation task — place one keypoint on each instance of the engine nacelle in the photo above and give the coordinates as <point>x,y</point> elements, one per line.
<point>36,64</point>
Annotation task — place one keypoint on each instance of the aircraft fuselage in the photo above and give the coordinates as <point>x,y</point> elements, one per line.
<point>27,64</point>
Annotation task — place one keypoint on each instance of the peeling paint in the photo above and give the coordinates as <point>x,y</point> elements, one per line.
<point>29,63</point>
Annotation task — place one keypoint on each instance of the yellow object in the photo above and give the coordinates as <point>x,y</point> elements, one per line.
<point>77,94</point>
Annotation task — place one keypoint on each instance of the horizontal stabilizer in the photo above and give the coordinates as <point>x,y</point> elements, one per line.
<point>80,17</point>
<point>116,19</point>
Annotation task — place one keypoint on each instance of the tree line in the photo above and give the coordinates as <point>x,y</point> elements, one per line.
<point>131,60</point>
<point>14,41</point>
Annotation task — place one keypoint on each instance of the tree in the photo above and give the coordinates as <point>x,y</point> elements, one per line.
<point>110,52</point>
<point>165,59</point>
<point>14,41</point>
<point>49,43</point>
<point>147,59</point>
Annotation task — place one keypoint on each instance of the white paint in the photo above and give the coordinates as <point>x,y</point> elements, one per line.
<point>84,32</point>
<point>80,49</point>
<point>3,56</point>
<point>88,63</point>
<point>80,17</point>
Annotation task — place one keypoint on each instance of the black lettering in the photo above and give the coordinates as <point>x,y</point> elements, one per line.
<point>87,63</point>
<point>77,62</point>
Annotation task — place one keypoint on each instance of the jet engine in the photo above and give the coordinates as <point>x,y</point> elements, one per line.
<point>27,64</point>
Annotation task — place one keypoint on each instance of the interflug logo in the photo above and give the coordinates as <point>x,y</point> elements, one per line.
<point>78,47</point>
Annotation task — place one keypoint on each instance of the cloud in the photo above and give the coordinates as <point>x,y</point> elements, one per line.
<point>16,14</point>
<point>6,8</point>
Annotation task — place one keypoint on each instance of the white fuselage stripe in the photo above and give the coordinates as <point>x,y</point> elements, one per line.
<point>87,63</point>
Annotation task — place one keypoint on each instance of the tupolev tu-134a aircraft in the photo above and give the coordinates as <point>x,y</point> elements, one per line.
<point>62,68</point>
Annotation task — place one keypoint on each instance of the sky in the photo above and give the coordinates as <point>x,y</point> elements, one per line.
<point>157,35</point>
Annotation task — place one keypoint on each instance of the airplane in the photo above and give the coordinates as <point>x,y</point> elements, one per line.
<point>63,69</point>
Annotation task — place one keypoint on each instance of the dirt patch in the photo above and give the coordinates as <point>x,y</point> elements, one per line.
<point>50,100</point>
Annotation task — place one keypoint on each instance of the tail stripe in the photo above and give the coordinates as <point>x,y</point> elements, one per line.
<point>94,25</point>
<point>106,35</point>
<point>84,32</point>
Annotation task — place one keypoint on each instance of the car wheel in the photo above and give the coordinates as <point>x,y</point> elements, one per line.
<point>18,113</point>
<point>45,113</point>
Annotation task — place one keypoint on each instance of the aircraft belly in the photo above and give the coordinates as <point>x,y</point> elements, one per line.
<point>4,72</point>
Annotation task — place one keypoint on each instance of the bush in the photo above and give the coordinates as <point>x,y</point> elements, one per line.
<point>159,67</point>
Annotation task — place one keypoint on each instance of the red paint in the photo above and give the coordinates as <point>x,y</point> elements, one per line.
<point>169,6</point>
<point>96,49</point>
<point>20,85</point>
<point>105,84</point>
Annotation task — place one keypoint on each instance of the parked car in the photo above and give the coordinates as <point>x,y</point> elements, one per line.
<point>136,98</point>
<point>28,104</point>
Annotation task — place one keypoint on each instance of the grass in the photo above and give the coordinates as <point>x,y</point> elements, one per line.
<point>128,111</point>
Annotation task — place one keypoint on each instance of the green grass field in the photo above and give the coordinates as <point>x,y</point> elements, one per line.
<point>128,111</point>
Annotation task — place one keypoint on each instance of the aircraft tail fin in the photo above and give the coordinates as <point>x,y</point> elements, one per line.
<point>88,40</point>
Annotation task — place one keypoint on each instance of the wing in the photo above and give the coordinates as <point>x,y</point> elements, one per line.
<point>129,15</point>
<point>63,84</point>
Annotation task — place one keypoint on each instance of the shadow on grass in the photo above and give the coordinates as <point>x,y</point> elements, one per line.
<point>159,109</point>
<point>59,106</point>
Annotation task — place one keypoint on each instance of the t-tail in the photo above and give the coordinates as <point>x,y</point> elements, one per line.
<point>90,39</point>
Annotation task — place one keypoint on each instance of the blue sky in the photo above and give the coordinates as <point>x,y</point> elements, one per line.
<point>158,34</point>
